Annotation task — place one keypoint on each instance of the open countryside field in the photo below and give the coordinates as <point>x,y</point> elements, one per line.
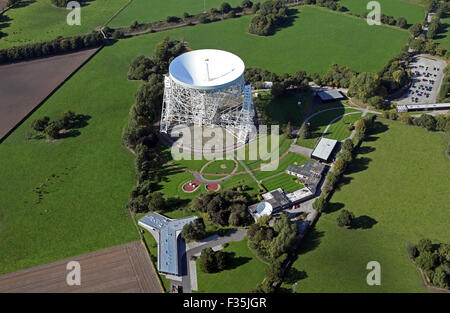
<point>39,20</point>
<point>244,273</point>
<point>401,182</point>
<point>154,10</point>
<point>443,37</point>
<point>413,12</point>
<point>312,43</point>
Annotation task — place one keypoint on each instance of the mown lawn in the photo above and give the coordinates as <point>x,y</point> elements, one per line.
<point>398,190</point>
<point>284,181</point>
<point>288,159</point>
<point>413,12</point>
<point>443,36</point>
<point>39,20</point>
<point>244,273</point>
<point>339,130</point>
<point>319,123</point>
<point>216,167</point>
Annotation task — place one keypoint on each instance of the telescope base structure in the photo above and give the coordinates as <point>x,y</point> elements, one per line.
<point>229,108</point>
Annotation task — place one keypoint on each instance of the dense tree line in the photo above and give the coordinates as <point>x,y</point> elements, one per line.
<point>269,242</point>
<point>149,173</point>
<point>227,207</point>
<point>394,74</point>
<point>281,84</point>
<point>56,46</point>
<point>434,260</point>
<point>272,244</point>
<point>11,3</point>
<point>330,4</point>
<point>343,159</point>
<point>60,3</point>
<point>337,76</point>
<point>433,123</point>
<point>148,99</point>
<point>271,15</point>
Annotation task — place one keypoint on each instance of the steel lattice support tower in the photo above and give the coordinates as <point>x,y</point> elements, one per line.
<point>230,107</point>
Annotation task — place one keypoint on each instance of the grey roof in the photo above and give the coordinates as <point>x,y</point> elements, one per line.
<point>428,106</point>
<point>330,94</point>
<point>324,148</point>
<point>310,168</point>
<point>168,229</point>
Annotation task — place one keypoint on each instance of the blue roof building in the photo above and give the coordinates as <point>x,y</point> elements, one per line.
<point>166,232</point>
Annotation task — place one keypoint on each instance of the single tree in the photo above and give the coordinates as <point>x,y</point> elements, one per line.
<point>345,218</point>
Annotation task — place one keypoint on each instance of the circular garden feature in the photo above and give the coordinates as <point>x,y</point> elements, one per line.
<point>212,187</point>
<point>191,186</point>
<point>218,169</point>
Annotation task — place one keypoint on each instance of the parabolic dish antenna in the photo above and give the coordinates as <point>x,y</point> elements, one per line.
<point>207,69</point>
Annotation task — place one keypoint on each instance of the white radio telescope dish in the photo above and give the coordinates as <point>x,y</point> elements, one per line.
<point>207,69</point>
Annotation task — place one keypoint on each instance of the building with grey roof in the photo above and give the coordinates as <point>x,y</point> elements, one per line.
<point>324,149</point>
<point>330,95</point>
<point>166,232</point>
<point>309,174</point>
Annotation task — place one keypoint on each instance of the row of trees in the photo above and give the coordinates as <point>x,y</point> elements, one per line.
<point>343,159</point>
<point>281,84</point>
<point>214,14</point>
<point>227,207</point>
<point>52,129</point>
<point>271,15</point>
<point>433,259</point>
<point>149,173</point>
<point>11,3</point>
<point>60,3</point>
<point>148,99</point>
<point>56,46</point>
<point>272,244</point>
<point>427,121</point>
<point>330,4</point>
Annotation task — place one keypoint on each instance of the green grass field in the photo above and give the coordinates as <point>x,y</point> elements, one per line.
<point>216,167</point>
<point>284,181</point>
<point>398,189</point>
<point>443,37</point>
<point>339,130</point>
<point>320,122</point>
<point>312,43</point>
<point>288,159</point>
<point>153,10</point>
<point>38,20</point>
<point>245,272</point>
<point>413,12</point>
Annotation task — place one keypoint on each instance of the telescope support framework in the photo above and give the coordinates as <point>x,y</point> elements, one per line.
<point>230,108</point>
